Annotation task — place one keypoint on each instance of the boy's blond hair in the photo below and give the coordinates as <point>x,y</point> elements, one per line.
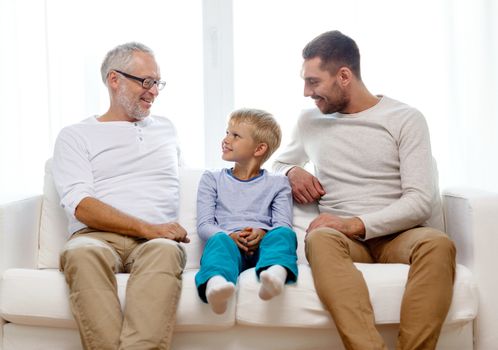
<point>265,128</point>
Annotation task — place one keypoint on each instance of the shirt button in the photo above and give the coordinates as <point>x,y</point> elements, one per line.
<point>141,139</point>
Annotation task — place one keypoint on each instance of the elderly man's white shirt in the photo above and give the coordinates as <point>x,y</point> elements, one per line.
<point>131,166</point>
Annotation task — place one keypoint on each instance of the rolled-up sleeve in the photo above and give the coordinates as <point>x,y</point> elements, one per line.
<point>72,172</point>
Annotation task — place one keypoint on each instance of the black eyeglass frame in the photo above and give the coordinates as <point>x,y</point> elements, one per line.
<point>147,83</point>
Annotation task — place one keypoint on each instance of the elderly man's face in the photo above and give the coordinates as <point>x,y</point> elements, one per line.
<point>133,98</point>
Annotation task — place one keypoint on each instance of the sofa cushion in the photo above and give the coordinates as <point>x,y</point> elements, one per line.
<point>40,298</point>
<point>53,223</point>
<point>54,232</point>
<point>299,306</point>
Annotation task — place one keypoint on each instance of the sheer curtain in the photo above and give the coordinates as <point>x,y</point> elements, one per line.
<point>437,55</point>
<point>472,152</point>
<point>50,73</point>
<point>25,127</point>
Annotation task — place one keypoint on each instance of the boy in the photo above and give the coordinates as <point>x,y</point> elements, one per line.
<point>245,214</point>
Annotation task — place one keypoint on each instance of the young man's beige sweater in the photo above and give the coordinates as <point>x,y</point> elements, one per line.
<point>376,164</point>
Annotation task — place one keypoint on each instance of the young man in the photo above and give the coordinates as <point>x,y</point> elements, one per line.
<point>376,192</point>
<point>117,177</point>
<point>245,214</point>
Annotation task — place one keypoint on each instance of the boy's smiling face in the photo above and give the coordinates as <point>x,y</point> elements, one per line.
<point>238,144</point>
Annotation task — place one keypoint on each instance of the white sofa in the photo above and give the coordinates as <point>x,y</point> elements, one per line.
<point>35,314</point>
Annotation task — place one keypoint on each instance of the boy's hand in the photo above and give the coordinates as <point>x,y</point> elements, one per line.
<point>253,238</point>
<point>248,239</point>
<point>239,237</point>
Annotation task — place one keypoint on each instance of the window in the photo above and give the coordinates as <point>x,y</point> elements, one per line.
<point>438,56</point>
<point>218,55</point>
<point>51,76</point>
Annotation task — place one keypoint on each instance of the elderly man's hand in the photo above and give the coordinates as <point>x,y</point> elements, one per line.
<point>170,230</point>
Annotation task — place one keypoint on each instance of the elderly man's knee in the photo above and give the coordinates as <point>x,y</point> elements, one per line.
<point>85,256</point>
<point>85,248</point>
<point>165,249</point>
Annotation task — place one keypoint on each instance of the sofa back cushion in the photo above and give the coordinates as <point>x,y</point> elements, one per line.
<point>54,225</point>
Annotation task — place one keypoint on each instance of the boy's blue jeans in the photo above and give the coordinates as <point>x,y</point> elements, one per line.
<point>222,257</point>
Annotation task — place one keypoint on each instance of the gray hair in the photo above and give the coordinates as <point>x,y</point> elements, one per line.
<point>120,57</point>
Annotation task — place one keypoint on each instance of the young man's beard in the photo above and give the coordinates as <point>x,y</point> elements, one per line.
<point>338,104</point>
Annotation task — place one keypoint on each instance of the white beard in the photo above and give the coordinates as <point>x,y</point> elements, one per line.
<point>132,109</point>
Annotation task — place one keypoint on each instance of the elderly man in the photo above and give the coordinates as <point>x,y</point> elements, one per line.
<point>117,177</point>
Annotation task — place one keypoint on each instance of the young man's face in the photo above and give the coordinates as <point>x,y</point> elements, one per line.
<point>131,96</point>
<point>238,144</point>
<point>323,87</point>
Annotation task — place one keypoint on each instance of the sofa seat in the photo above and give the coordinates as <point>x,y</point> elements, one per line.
<point>40,298</point>
<point>35,312</point>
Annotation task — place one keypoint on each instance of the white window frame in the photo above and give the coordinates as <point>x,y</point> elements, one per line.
<point>218,75</point>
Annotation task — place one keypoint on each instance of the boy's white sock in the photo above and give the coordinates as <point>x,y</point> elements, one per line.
<point>218,291</point>
<point>272,281</point>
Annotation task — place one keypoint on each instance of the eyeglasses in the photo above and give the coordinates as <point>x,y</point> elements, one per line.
<point>147,83</point>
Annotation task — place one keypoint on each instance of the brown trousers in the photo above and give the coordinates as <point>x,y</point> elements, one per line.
<point>342,289</point>
<point>90,261</point>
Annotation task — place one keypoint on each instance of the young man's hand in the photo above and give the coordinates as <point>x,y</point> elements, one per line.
<point>305,187</point>
<point>351,227</point>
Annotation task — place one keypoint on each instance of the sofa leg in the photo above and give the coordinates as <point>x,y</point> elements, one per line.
<point>2,322</point>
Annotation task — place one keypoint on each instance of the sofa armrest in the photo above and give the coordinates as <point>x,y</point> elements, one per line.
<point>19,227</point>
<point>471,218</point>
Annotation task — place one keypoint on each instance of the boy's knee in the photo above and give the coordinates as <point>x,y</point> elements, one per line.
<point>221,239</point>
<point>220,236</point>
<point>286,231</point>
<point>282,232</point>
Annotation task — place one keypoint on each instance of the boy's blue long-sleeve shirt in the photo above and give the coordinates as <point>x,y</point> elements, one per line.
<point>227,204</point>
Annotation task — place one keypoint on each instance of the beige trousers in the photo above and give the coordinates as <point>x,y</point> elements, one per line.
<point>90,261</point>
<point>342,289</point>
